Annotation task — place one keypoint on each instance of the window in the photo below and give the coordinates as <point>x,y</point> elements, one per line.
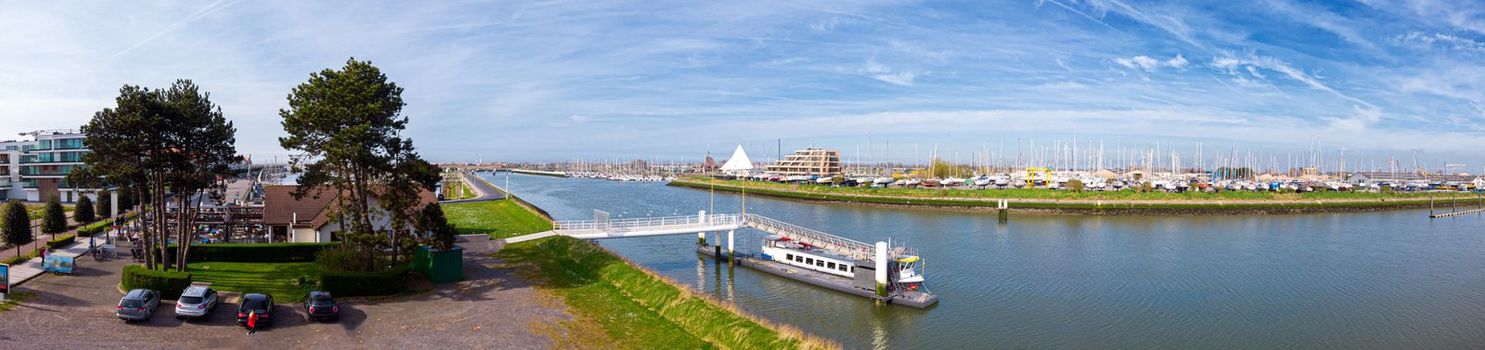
<point>820,263</point>
<point>789,256</point>
<point>810,261</point>
<point>830,266</point>
<point>843,268</point>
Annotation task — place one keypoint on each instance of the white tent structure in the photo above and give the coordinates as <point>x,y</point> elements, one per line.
<point>739,162</point>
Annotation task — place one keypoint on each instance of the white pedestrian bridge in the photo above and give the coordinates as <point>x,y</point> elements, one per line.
<point>603,228</point>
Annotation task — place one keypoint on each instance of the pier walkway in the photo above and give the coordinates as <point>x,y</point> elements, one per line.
<point>601,228</point>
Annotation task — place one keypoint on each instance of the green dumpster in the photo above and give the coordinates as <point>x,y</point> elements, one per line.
<point>440,266</point>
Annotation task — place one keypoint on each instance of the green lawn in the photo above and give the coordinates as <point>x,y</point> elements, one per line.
<point>282,280</point>
<point>636,309</point>
<point>498,218</point>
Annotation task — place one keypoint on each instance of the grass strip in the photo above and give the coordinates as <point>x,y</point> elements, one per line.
<point>640,309</point>
<point>502,218</point>
<point>287,282</point>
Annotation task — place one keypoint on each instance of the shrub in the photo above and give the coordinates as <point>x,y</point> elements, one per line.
<point>102,207</point>
<point>343,258</point>
<point>169,283</point>
<point>83,210</point>
<point>388,282</point>
<point>1075,185</point>
<point>55,219</point>
<point>17,225</point>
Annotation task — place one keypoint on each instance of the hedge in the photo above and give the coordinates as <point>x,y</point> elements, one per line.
<point>60,242</point>
<point>94,228</point>
<point>169,283</point>
<point>255,252</point>
<point>101,225</point>
<point>365,283</point>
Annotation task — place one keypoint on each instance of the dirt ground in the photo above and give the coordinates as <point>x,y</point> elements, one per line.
<point>493,309</point>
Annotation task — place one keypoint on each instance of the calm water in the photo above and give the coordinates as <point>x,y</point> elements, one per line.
<point>1339,281</point>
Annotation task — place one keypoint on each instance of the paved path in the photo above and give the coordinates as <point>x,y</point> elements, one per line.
<point>20,273</point>
<point>482,189</point>
<point>494,309</point>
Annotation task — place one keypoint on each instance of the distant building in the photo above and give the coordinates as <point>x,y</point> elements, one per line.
<point>808,162</point>
<point>36,169</point>
<point>311,219</point>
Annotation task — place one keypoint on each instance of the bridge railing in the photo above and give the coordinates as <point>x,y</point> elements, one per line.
<point>647,222</point>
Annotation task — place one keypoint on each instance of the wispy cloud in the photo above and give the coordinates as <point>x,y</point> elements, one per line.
<point>560,80</point>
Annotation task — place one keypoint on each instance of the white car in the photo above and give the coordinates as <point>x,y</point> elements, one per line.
<point>195,301</point>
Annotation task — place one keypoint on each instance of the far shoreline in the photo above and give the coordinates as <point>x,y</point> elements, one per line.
<point>1095,207</point>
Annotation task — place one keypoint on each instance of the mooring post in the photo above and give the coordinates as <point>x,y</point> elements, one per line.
<point>701,236</point>
<point>1004,207</point>
<point>881,270</point>
<point>731,254</point>
<point>717,249</point>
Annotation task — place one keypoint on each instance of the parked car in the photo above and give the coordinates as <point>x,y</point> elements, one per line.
<point>138,305</point>
<point>195,301</point>
<point>320,306</point>
<point>254,302</point>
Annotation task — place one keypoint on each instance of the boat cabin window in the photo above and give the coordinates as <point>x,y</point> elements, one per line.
<point>830,266</point>
<point>843,268</point>
<point>810,261</point>
<point>789,256</point>
<point>820,263</point>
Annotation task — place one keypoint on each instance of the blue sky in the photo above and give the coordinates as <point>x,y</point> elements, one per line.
<point>662,80</point>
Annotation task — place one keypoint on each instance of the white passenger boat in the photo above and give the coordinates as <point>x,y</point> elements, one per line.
<point>906,269</point>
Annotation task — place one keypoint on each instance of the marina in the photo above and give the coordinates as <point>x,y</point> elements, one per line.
<point>1084,281</point>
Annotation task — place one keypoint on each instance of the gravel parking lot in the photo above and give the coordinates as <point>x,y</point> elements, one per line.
<point>494,309</point>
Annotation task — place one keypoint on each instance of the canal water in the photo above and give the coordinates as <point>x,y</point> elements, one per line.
<point>1328,281</point>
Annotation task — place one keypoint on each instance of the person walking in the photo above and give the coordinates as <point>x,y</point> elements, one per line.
<point>252,322</point>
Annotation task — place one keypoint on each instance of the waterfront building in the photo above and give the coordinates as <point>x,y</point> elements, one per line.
<point>311,219</point>
<point>814,162</point>
<point>35,169</point>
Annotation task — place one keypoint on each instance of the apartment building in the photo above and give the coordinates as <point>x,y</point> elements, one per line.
<point>817,162</point>
<point>35,168</point>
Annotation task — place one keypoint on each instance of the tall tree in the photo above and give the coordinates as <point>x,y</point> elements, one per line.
<point>17,226</point>
<point>104,207</point>
<point>54,217</point>
<point>163,147</point>
<point>346,127</point>
<point>82,211</point>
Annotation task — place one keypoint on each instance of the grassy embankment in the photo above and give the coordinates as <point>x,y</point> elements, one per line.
<point>502,218</point>
<point>287,282</point>
<point>631,307</point>
<point>638,309</point>
<point>1089,200</point>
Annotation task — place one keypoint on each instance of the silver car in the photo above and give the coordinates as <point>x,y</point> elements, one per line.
<point>195,301</point>
<point>138,305</point>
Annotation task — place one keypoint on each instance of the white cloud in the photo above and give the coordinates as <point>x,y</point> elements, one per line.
<point>899,78</point>
<point>1447,41</point>
<point>1149,64</point>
